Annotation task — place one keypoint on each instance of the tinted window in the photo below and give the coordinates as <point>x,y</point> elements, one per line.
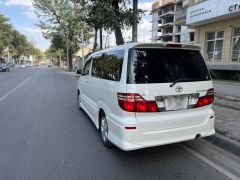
<point>108,65</point>
<point>86,68</point>
<point>165,66</point>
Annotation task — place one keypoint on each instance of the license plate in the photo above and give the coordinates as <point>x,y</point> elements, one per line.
<point>176,103</point>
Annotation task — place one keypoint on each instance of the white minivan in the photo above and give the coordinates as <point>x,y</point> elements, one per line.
<point>147,94</point>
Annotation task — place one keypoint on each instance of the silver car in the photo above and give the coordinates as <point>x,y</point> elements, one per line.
<point>4,66</point>
<point>22,65</point>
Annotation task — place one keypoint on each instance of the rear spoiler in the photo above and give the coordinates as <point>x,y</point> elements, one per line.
<point>168,45</point>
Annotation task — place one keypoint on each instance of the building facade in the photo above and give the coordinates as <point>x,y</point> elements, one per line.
<point>164,23</point>
<point>217,31</point>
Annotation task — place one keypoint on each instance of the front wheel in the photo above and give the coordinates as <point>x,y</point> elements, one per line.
<point>104,131</point>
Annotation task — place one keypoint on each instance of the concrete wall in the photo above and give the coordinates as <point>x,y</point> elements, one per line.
<point>154,26</point>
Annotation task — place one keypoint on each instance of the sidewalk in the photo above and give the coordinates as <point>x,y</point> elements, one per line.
<point>229,89</point>
<point>227,122</point>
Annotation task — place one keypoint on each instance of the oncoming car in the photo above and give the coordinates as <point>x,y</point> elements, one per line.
<point>147,94</point>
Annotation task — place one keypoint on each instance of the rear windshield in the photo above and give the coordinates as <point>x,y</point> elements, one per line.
<point>165,66</point>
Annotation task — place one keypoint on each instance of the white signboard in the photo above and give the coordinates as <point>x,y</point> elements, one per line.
<point>212,9</point>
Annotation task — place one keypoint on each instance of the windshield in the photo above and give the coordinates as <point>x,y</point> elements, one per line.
<point>165,66</point>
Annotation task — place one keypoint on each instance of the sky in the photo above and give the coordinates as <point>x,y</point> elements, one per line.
<point>21,14</point>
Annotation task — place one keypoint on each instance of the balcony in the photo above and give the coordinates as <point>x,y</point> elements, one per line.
<point>166,35</point>
<point>167,15</point>
<point>180,17</point>
<point>166,25</point>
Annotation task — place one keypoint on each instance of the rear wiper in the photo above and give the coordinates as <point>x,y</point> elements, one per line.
<point>175,82</point>
<point>181,79</point>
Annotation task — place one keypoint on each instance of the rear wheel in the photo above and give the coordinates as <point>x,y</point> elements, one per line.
<point>104,131</point>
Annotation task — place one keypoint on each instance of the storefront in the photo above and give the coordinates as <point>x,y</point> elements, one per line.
<point>217,30</point>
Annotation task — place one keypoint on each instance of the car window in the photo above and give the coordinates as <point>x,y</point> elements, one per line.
<point>86,68</point>
<point>165,66</point>
<point>108,65</point>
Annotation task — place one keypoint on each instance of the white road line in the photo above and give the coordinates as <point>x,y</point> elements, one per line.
<point>10,92</point>
<point>214,165</point>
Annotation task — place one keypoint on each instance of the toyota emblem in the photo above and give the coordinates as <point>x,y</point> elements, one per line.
<point>178,89</point>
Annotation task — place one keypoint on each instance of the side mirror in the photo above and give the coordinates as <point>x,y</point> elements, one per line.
<point>79,71</point>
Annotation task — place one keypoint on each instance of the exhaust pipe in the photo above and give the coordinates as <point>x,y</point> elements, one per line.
<point>198,136</point>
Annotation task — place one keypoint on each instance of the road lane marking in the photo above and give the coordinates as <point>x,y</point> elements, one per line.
<point>10,92</point>
<point>212,164</point>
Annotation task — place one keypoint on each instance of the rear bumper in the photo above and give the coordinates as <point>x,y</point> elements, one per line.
<point>136,139</point>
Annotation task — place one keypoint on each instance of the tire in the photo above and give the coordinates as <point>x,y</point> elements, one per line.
<point>103,129</point>
<point>79,101</point>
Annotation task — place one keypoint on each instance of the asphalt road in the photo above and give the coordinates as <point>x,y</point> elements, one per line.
<point>43,136</point>
<point>227,89</point>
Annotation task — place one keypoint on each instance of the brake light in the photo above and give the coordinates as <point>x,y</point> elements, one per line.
<point>174,45</point>
<point>205,100</point>
<point>133,102</point>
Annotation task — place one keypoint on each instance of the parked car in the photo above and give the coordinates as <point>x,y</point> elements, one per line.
<point>22,65</point>
<point>147,94</point>
<point>4,66</point>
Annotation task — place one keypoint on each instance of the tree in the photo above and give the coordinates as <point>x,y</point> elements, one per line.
<point>38,54</point>
<point>5,33</point>
<point>62,18</point>
<point>112,14</point>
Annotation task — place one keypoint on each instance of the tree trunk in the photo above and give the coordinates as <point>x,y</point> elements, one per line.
<point>117,27</point>
<point>95,40</point>
<point>118,36</point>
<point>101,39</point>
<point>70,60</point>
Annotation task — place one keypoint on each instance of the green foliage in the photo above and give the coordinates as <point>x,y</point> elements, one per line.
<point>16,42</point>
<point>5,32</point>
<point>62,22</point>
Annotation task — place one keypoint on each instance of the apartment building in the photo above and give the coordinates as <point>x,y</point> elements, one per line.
<point>217,31</point>
<point>164,25</point>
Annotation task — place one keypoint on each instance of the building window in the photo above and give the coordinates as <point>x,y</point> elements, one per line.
<point>191,37</point>
<point>215,45</point>
<point>236,45</point>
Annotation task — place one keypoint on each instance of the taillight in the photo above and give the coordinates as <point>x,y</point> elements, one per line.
<point>170,45</point>
<point>133,102</point>
<point>205,100</point>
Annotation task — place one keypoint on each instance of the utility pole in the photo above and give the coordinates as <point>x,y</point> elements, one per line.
<point>101,39</point>
<point>60,58</point>
<point>82,36</point>
<point>135,13</point>
<point>67,52</point>
<point>8,54</point>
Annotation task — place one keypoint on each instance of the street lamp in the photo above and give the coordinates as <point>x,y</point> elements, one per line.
<point>67,49</point>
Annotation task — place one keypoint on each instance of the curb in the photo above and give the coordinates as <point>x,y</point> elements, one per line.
<point>227,106</point>
<point>225,143</point>
<point>228,83</point>
<point>227,97</point>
